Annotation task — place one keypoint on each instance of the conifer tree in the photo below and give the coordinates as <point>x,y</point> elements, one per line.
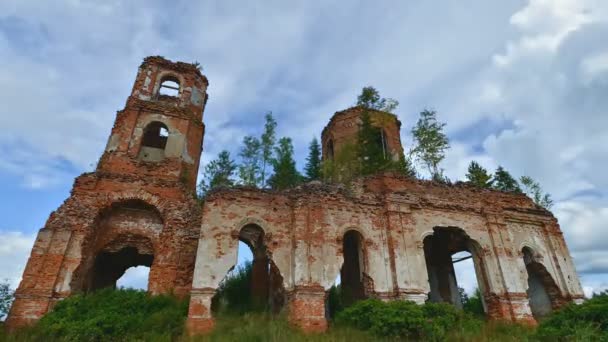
<point>219,172</point>
<point>479,176</point>
<point>533,189</point>
<point>268,141</point>
<point>370,98</point>
<point>313,161</point>
<point>249,168</point>
<point>285,173</point>
<point>431,143</point>
<point>503,181</point>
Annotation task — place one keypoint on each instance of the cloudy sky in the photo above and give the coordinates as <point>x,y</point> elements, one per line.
<point>523,84</point>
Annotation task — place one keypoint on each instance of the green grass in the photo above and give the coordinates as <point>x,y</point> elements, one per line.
<point>130,315</point>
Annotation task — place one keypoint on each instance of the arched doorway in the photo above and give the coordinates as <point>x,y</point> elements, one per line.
<point>445,247</point>
<point>123,236</point>
<point>257,278</point>
<point>352,274</point>
<point>543,294</point>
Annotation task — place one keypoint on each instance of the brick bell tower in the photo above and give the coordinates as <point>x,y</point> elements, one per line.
<point>137,208</point>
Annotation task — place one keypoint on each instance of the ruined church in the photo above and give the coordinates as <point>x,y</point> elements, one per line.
<point>387,236</point>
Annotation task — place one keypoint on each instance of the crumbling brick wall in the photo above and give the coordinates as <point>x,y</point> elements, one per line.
<point>305,226</point>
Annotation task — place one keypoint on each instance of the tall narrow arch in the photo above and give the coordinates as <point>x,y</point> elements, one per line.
<point>543,293</point>
<point>154,141</point>
<point>354,281</point>
<point>330,149</point>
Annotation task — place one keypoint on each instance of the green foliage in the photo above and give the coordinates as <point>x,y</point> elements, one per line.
<point>113,315</point>
<point>371,151</point>
<point>334,300</point>
<point>584,322</point>
<point>285,173</point>
<point>344,167</point>
<point>370,98</point>
<point>503,181</point>
<point>533,189</point>
<point>233,296</point>
<point>430,143</point>
<point>313,161</point>
<point>473,304</point>
<point>249,168</point>
<point>6,298</point>
<point>401,319</point>
<point>268,142</point>
<point>479,176</point>
<point>219,172</point>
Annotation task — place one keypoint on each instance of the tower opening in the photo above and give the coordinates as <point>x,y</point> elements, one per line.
<point>330,149</point>
<point>444,248</point>
<point>154,142</point>
<point>169,86</point>
<point>110,266</point>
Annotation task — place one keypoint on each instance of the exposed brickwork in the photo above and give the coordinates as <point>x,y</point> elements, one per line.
<point>133,211</point>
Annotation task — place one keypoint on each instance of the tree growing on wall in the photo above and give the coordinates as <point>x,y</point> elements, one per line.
<point>479,176</point>
<point>312,169</point>
<point>430,143</point>
<point>370,98</point>
<point>249,168</point>
<point>219,172</point>
<point>370,147</point>
<point>285,173</point>
<point>534,191</point>
<point>268,141</point>
<point>503,181</point>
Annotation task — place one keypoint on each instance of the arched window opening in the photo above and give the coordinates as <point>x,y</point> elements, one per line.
<point>543,294</point>
<point>330,149</point>
<point>449,251</point>
<point>169,86</point>
<point>256,283</point>
<point>154,141</point>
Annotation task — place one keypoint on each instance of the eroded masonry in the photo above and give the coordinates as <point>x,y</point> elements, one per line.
<point>387,236</point>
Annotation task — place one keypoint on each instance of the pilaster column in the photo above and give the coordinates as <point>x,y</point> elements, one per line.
<point>307,308</point>
<point>200,320</point>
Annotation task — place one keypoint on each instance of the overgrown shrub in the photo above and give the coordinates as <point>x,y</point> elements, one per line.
<point>587,321</point>
<point>113,315</point>
<point>473,304</point>
<point>402,319</point>
<point>234,293</point>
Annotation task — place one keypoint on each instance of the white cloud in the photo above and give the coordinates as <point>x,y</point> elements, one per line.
<point>135,278</point>
<point>14,252</point>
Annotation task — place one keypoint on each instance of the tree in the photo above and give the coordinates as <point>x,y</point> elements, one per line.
<point>249,169</point>
<point>533,189</point>
<point>370,146</point>
<point>6,298</point>
<point>479,176</point>
<point>430,142</point>
<point>313,161</point>
<point>219,172</point>
<point>370,98</point>
<point>503,181</point>
<point>285,173</point>
<point>268,141</point>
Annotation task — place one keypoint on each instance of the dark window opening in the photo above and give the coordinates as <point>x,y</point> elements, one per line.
<point>330,149</point>
<point>169,87</point>
<point>110,266</point>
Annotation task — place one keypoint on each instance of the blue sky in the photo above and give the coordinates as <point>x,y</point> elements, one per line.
<point>521,84</point>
